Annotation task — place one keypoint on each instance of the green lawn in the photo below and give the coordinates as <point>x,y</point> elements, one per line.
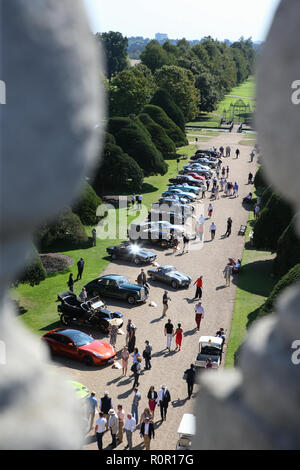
<point>38,307</point>
<point>246,89</point>
<point>253,287</point>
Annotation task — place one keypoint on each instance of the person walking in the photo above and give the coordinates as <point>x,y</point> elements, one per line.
<point>185,240</point>
<point>147,432</point>
<point>178,337</point>
<point>121,419</point>
<point>199,285</point>
<point>132,201</point>
<point>227,273</point>
<point>83,295</point>
<point>135,404</point>
<point>80,267</point>
<point>236,189</point>
<point>218,172</point>
<point>190,375</point>
<point>237,153</point>
<point>223,171</point>
<point>137,368</point>
<point>252,155</point>
<point>105,405</point>
<point>166,298</point>
<point>125,357</point>
<point>136,355</point>
<point>113,333</point>
<point>142,278</point>
<point>207,184</point>
<point>213,229</point>
<point>100,429</point>
<point>200,226</point>
<point>163,399</point>
<point>146,414</point>
<point>94,237</point>
<point>199,314</point>
<point>131,329</point>
<point>210,210</point>
<point>129,428</point>
<point>147,355</point>
<point>152,397</point>
<point>70,282</point>
<point>229,225</point>
<point>113,426</point>
<point>91,404</point>
<point>169,331</point>
<point>140,198</point>
<point>227,171</point>
<point>217,189</point>
<point>228,150</point>
<point>222,150</point>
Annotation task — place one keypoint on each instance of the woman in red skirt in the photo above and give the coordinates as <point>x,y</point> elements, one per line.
<point>152,396</point>
<point>178,338</point>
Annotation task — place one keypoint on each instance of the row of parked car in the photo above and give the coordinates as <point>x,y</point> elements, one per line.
<point>166,220</point>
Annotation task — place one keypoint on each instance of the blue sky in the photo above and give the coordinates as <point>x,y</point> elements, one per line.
<point>220,19</point>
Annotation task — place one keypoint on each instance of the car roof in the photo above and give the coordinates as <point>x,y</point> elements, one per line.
<point>167,266</point>
<point>111,276</point>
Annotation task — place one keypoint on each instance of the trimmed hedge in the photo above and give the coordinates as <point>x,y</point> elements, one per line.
<point>163,100</point>
<point>288,251</point>
<point>65,232</point>
<point>117,172</point>
<point>34,272</point>
<point>135,140</point>
<point>288,279</point>
<point>272,221</point>
<point>86,206</point>
<point>162,142</point>
<point>172,130</point>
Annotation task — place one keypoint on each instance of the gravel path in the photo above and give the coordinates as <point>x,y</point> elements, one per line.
<point>217,300</point>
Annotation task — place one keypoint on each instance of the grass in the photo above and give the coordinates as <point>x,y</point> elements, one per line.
<point>246,89</point>
<point>38,308</point>
<point>253,287</point>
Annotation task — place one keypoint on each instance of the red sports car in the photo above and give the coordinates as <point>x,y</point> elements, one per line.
<point>196,176</point>
<point>80,346</point>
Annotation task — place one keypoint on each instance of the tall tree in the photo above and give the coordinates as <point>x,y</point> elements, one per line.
<point>154,56</point>
<point>115,46</point>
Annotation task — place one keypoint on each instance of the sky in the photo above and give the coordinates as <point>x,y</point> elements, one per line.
<point>221,19</point>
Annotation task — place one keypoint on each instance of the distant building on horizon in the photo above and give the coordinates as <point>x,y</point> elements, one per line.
<point>161,37</point>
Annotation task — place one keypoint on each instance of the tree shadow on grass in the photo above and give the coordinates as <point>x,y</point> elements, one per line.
<point>255,278</point>
<point>148,188</point>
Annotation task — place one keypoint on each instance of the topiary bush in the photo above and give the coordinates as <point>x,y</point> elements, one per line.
<point>162,142</point>
<point>272,221</point>
<point>163,100</point>
<point>288,279</point>
<point>34,272</point>
<point>86,206</point>
<point>172,130</point>
<point>259,179</point>
<point>117,172</point>
<point>65,232</point>
<point>288,251</point>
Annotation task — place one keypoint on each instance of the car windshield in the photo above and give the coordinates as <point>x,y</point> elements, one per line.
<point>123,280</point>
<point>169,269</point>
<point>209,350</point>
<point>78,337</point>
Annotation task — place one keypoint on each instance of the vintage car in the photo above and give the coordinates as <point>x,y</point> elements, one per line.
<point>175,205</point>
<point>79,346</point>
<point>186,187</point>
<point>210,347</point>
<point>154,230</point>
<point>80,389</point>
<point>170,275</point>
<point>186,431</point>
<point>186,178</point>
<point>166,214</point>
<point>118,287</point>
<point>92,312</point>
<point>180,193</point>
<point>200,171</point>
<point>131,252</point>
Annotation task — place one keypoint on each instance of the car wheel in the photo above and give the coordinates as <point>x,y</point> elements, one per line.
<point>136,261</point>
<point>113,256</point>
<point>88,360</point>
<point>65,320</point>
<point>174,284</point>
<point>131,300</point>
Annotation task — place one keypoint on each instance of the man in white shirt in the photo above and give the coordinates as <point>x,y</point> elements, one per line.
<point>130,426</point>
<point>213,230</point>
<point>199,311</point>
<point>100,429</point>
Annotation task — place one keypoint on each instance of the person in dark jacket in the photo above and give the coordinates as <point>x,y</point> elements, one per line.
<point>142,278</point>
<point>229,225</point>
<point>190,379</point>
<point>147,432</point>
<point>70,282</point>
<point>80,266</point>
<point>147,355</point>
<point>105,405</point>
<point>163,399</point>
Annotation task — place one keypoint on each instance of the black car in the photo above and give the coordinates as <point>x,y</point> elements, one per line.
<point>167,215</point>
<point>118,287</point>
<point>92,312</point>
<point>170,275</point>
<point>131,252</point>
<point>186,179</point>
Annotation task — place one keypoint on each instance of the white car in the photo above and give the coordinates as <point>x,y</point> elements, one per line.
<point>210,347</point>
